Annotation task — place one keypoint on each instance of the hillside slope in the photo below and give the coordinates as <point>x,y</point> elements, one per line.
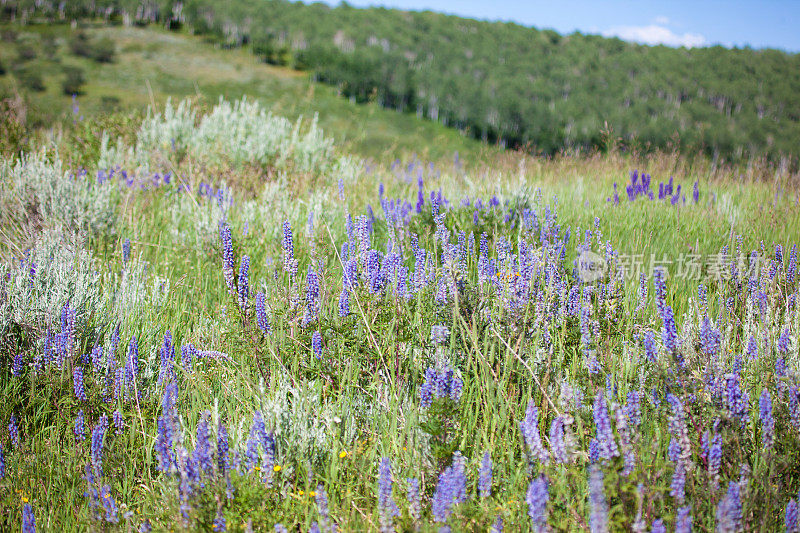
<point>151,65</point>
<point>505,82</point>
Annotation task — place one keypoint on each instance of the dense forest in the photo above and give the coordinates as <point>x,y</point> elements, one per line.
<point>501,82</point>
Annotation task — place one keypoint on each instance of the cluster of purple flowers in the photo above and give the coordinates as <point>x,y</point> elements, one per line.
<point>639,187</point>
<point>451,489</point>
<point>440,384</point>
<point>387,508</point>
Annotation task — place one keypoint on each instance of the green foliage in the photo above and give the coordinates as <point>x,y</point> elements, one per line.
<point>100,50</point>
<point>335,416</point>
<point>441,425</point>
<point>29,78</point>
<point>73,80</point>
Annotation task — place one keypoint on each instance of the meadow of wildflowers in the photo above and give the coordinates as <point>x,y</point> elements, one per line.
<point>378,346</point>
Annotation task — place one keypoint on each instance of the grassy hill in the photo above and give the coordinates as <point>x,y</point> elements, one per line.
<point>151,65</point>
<point>503,82</point>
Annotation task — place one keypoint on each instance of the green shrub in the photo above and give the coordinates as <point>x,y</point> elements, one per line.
<point>101,50</point>
<point>26,52</point>
<point>30,78</point>
<point>73,80</point>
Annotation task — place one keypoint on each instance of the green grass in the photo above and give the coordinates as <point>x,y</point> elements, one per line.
<point>336,416</point>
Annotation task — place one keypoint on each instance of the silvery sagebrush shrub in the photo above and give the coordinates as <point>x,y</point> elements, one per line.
<point>305,421</point>
<point>58,270</point>
<point>135,288</point>
<point>76,202</point>
<point>239,133</point>
<point>195,220</point>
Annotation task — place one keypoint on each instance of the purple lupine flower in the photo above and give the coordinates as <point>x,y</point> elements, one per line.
<point>790,521</point>
<point>783,342</point>
<point>312,296</point>
<point>289,262</point>
<point>683,521</point>
<point>426,392</point>
<point>16,367</point>
<point>633,408</point>
<point>126,250</point>
<point>439,334</point>
<point>791,270</point>
<point>119,422</point>
<point>594,451</point>
<point>605,434</point>
<point>77,384</point>
<point>650,346</point>
<point>558,441</point>
<point>669,333</point>
<point>268,461</point>
<point>450,489</point>
<point>387,509</point>
<point>188,355</point>
<point>202,453</point>
<point>497,526</point>
<point>28,520</point>
<point>658,526</point>
<point>456,388</point>
<point>598,517</point>
<point>321,499</point>
<point>344,303</point>
<point>227,255</point>
<point>167,428</point>
<point>729,510</point>
<point>80,427</point>
<point>109,505</point>
<point>677,487</point>
<point>219,523</point>
<point>752,348</point>
<point>440,384</point>
<point>316,344</point>
<point>98,435</point>
<point>536,498</point>
<point>736,400</point>
<point>714,458</point>
<point>167,359</point>
<point>660,289</point>
<point>414,505</point>
<point>97,358</point>
<point>112,349</point>
<point>244,283</point>
<point>2,463</point>
<point>678,429</point>
<point>223,450</point>
<point>710,337</point>
<point>261,313</point>
<point>529,427</point>
<point>767,420</point>
<point>132,365</point>
<point>485,476</point>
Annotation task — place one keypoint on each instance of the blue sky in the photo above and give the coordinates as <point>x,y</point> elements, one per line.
<point>759,24</point>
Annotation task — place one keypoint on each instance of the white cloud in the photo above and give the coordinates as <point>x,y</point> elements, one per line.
<point>656,34</point>
<point>661,21</point>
